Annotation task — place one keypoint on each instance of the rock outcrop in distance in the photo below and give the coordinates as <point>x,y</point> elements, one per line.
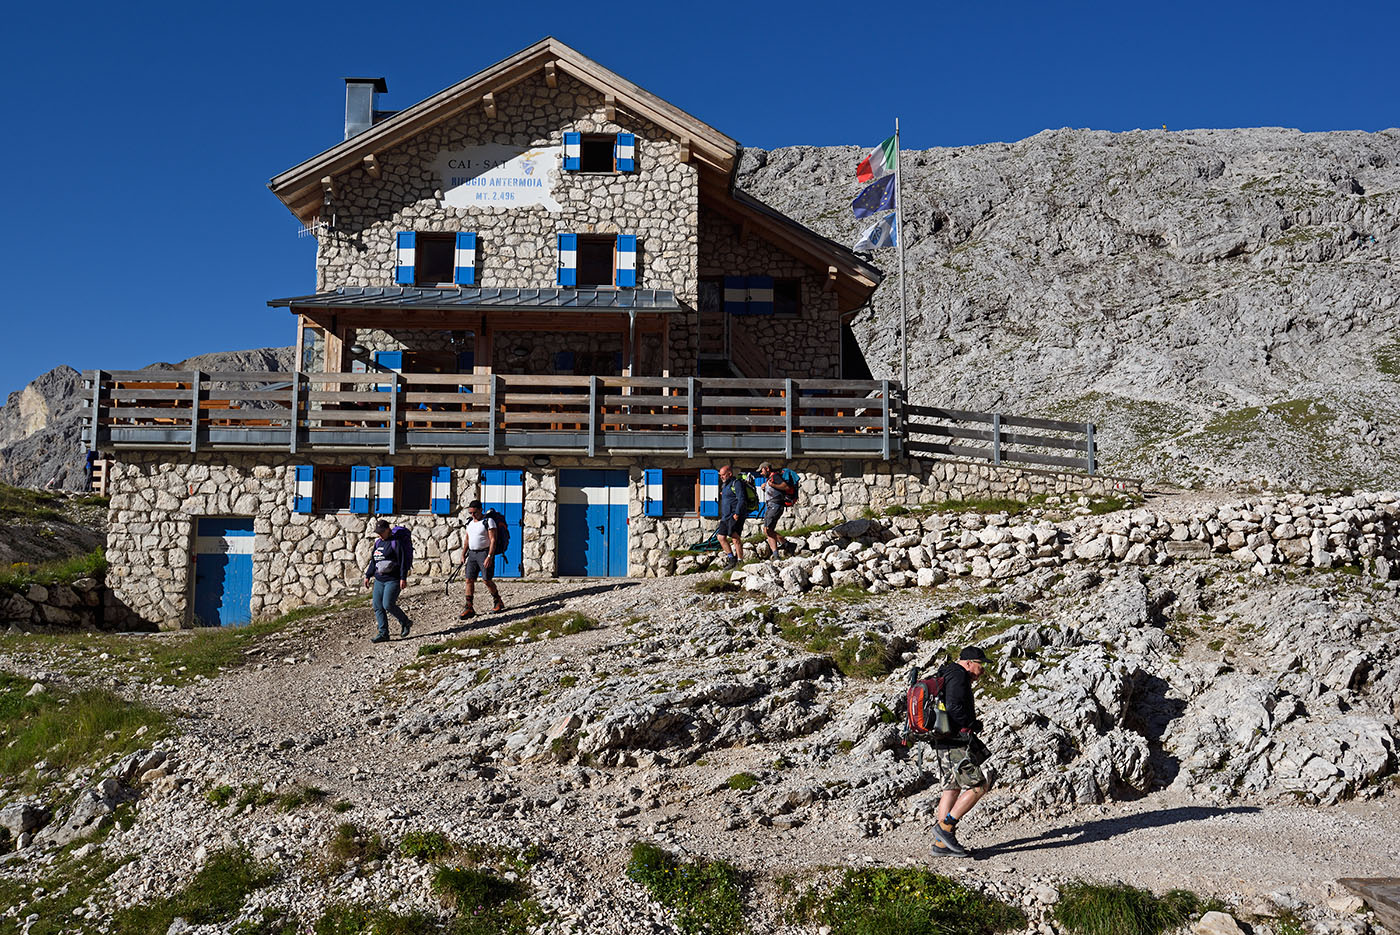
<point>1222,303</point>
<point>41,433</point>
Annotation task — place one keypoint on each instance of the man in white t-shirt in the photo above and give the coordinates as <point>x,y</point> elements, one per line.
<point>479,558</point>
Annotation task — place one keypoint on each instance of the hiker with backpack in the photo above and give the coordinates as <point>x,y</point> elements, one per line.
<point>737,499</point>
<point>387,573</point>
<point>486,537</point>
<point>780,492</point>
<point>940,710</point>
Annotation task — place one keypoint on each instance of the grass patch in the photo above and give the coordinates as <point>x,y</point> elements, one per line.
<point>706,895</point>
<point>1119,909</point>
<point>34,506</point>
<point>1388,359</point>
<point>54,896</point>
<point>343,806</point>
<point>741,782</point>
<point>1110,505</point>
<point>867,654</point>
<point>18,577</point>
<point>215,894</point>
<point>720,585</point>
<point>220,795</point>
<point>354,919</point>
<point>424,845</point>
<point>485,903</point>
<point>543,626</point>
<point>299,796</point>
<point>351,844</point>
<point>905,901</point>
<point>255,795</point>
<point>68,730</point>
<point>980,505</point>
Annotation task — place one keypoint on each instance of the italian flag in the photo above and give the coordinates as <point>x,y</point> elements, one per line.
<point>879,163</point>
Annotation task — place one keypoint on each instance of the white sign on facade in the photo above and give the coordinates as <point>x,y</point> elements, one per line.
<point>499,176</point>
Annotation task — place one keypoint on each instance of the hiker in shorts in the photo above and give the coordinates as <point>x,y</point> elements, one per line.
<point>387,574</point>
<point>731,517</point>
<point>776,494</point>
<point>964,773</point>
<point>479,558</point>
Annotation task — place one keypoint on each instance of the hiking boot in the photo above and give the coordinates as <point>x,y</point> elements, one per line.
<point>403,631</point>
<point>467,613</point>
<point>379,638</point>
<point>497,607</point>
<point>939,849</point>
<point>948,837</point>
<point>728,561</point>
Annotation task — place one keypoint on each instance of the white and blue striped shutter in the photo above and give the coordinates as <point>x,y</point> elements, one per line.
<point>625,153</point>
<point>442,491</point>
<point>403,273</point>
<point>466,259</point>
<point>736,295</point>
<point>573,143</point>
<point>384,489</point>
<point>709,492</point>
<point>654,492</point>
<point>760,295</point>
<point>568,259</point>
<point>388,360</point>
<point>301,501</point>
<point>627,260</point>
<point>359,489</point>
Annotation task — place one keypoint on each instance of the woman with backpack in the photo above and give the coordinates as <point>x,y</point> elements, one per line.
<point>387,574</point>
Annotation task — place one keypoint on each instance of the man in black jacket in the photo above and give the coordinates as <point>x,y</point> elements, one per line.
<point>962,772</point>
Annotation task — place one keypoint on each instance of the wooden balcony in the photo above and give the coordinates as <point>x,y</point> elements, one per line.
<point>491,414</point>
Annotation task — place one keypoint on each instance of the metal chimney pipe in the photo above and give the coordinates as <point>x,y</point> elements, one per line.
<point>361,96</point>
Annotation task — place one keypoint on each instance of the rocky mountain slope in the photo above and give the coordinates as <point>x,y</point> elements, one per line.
<point>1222,303</point>
<point>41,435</point>
<point>1188,723</point>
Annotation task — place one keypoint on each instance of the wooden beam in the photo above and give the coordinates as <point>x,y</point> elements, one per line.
<point>328,185</point>
<point>683,152</point>
<point>488,104</point>
<point>300,351</point>
<point>830,284</point>
<point>610,108</point>
<point>551,76</point>
<point>371,163</point>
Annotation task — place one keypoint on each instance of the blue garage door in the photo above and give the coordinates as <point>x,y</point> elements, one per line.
<point>505,491</point>
<point>223,571</point>
<point>593,523</point>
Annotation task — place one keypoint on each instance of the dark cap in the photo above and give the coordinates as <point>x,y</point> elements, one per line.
<point>381,526</point>
<point>972,654</point>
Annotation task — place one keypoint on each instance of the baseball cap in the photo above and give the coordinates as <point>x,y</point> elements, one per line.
<point>381,526</point>
<point>973,654</point>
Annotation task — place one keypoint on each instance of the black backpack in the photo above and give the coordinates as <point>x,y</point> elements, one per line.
<point>502,530</point>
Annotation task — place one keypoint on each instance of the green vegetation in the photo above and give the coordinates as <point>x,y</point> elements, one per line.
<point>424,845</point>
<point>300,795</point>
<point>220,795</point>
<point>485,903</point>
<point>741,782</point>
<point>31,506</point>
<point>980,505</point>
<point>867,654</point>
<point>351,844</point>
<point>543,626</point>
<point>905,901</point>
<point>18,577</point>
<point>1388,359</point>
<point>706,895</point>
<point>215,894</point>
<point>63,888</point>
<point>68,730</point>
<point>350,919</point>
<point>255,795</point>
<point>568,681</point>
<point>343,806</point>
<point>1117,909</point>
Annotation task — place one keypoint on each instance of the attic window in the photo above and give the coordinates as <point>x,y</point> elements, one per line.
<point>433,260</point>
<point>596,153</point>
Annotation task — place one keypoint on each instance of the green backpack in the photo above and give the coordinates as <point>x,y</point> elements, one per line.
<point>750,492</point>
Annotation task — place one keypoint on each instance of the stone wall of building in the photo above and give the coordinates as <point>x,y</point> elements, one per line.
<point>69,606</point>
<point>313,558</point>
<point>517,246</point>
<point>804,345</point>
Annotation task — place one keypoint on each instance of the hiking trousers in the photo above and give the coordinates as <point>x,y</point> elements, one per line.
<point>386,601</point>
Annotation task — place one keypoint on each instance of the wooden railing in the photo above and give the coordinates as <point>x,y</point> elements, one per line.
<point>1003,442</point>
<point>491,413</point>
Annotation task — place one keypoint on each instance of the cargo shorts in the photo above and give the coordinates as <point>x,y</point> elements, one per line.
<point>963,766</point>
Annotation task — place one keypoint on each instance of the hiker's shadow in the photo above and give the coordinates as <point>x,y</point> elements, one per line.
<point>533,608</point>
<point>1105,828</point>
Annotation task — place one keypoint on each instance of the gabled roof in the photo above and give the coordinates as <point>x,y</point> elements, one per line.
<point>299,187</point>
<point>478,298</point>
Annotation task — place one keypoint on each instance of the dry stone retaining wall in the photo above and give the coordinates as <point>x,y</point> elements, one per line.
<point>55,606</point>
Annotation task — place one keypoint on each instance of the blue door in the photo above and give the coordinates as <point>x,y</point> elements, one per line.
<point>593,523</point>
<point>223,571</point>
<point>505,491</point>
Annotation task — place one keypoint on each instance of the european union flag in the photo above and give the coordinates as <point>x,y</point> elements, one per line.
<point>877,196</point>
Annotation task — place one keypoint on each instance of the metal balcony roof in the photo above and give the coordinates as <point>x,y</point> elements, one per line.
<point>477,297</point>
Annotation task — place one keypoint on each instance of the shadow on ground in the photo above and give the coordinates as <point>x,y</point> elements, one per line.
<point>545,604</point>
<point>1104,828</point>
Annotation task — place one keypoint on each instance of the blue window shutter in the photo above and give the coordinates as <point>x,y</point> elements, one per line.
<point>359,489</point>
<point>384,493</point>
<point>388,360</point>
<point>573,143</point>
<point>627,259</point>
<point>625,152</point>
<point>568,259</point>
<point>301,500</point>
<point>736,295</point>
<point>564,362</point>
<point>403,274</point>
<point>760,295</point>
<point>617,362</point>
<point>465,259</point>
<point>709,492</point>
<point>466,363</point>
<point>442,491</point>
<point>654,493</point>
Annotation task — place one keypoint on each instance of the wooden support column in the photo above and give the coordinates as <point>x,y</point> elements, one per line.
<point>666,345</point>
<point>300,352</point>
<point>627,351</point>
<point>485,347</point>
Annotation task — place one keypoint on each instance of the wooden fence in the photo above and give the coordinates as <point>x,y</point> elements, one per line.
<point>1002,442</point>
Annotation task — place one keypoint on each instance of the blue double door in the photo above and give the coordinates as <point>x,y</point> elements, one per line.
<point>593,523</point>
<point>223,571</point>
<point>504,490</point>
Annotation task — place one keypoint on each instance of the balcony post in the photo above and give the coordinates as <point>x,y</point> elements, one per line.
<point>791,418</point>
<point>491,420</point>
<point>96,405</point>
<point>194,411</point>
<point>296,408</point>
<point>692,416</point>
<point>394,413</point>
<point>592,415</point>
<point>885,414</point>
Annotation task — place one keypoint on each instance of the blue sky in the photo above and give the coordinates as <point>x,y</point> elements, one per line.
<point>140,137</point>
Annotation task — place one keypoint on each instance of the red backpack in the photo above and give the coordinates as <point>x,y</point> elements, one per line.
<point>925,713</point>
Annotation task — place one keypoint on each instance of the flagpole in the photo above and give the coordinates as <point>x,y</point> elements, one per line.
<point>899,242</point>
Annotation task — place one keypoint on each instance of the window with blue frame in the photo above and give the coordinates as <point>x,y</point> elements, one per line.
<point>384,490</point>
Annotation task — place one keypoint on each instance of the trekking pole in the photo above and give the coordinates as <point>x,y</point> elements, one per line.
<point>447,588</point>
